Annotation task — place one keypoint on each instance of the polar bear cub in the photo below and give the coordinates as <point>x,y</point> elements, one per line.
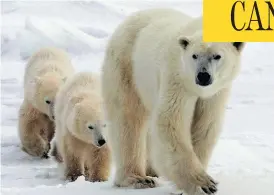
<point>158,74</point>
<point>45,72</point>
<point>80,122</point>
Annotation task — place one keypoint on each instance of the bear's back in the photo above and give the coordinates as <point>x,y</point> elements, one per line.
<point>46,60</point>
<point>82,81</point>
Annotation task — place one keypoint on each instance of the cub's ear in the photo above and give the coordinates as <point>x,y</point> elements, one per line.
<point>238,45</point>
<point>184,42</point>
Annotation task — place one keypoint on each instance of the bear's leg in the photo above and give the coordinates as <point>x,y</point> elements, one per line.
<point>97,165</point>
<point>50,130</point>
<point>149,169</point>
<point>207,123</point>
<point>72,160</point>
<point>30,130</point>
<point>57,141</point>
<point>55,152</point>
<point>72,167</point>
<point>173,144</point>
<point>127,135</point>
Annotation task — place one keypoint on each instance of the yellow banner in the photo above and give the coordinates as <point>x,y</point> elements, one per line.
<point>238,21</point>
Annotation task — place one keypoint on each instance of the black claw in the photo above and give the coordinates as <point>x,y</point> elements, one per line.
<point>152,182</point>
<point>216,183</point>
<point>45,155</point>
<point>148,181</point>
<point>213,189</point>
<point>73,178</point>
<point>206,190</point>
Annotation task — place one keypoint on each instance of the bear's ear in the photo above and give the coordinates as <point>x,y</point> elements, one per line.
<point>238,45</point>
<point>184,42</point>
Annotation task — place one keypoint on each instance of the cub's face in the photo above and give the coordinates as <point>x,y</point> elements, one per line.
<point>45,90</point>
<point>87,123</point>
<point>209,67</point>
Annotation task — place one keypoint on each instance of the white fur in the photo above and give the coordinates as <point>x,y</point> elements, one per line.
<point>79,127</point>
<point>149,83</point>
<point>72,112</point>
<point>46,70</point>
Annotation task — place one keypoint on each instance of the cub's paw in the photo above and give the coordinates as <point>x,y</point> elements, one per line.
<point>72,177</point>
<point>45,154</point>
<point>95,179</point>
<point>72,174</point>
<point>138,182</point>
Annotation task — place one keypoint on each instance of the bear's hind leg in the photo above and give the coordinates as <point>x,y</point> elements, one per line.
<point>30,130</point>
<point>129,148</point>
<point>150,171</point>
<point>127,135</point>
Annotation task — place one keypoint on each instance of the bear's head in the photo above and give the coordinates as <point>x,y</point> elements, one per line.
<point>86,121</point>
<point>208,67</point>
<point>44,90</point>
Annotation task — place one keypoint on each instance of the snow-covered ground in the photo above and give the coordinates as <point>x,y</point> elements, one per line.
<point>243,161</point>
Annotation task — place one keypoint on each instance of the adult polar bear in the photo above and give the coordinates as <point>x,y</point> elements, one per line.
<point>158,74</point>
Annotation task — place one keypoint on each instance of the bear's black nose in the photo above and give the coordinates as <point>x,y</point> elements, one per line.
<point>101,142</point>
<point>203,79</point>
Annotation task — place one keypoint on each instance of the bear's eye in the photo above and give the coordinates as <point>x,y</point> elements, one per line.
<point>47,101</point>
<point>216,57</point>
<point>194,56</point>
<point>90,127</point>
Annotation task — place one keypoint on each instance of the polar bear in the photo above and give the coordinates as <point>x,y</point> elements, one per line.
<point>46,70</point>
<point>159,76</point>
<point>79,142</point>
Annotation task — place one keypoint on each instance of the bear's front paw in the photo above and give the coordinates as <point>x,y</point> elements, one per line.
<point>46,152</point>
<point>72,177</point>
<point>95,179</point>
<point>45,155</point>
<point>138,182</point>
<point>72,174</point>
<point>210,188</point>
<point>207,183</point>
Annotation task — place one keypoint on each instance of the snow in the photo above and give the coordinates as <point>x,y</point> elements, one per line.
<point>243,161</point>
